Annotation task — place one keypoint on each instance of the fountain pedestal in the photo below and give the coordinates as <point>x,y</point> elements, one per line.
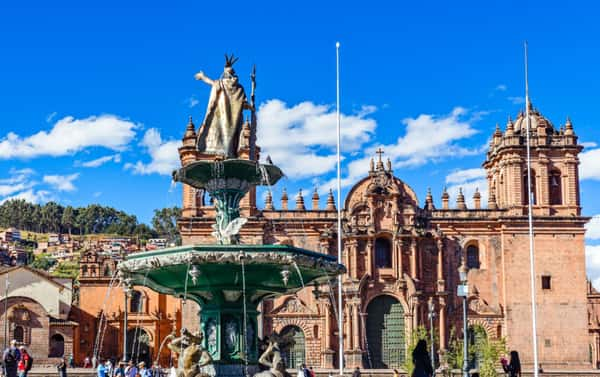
<point>229,280</point>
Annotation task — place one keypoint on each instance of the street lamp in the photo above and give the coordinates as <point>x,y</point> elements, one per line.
<point>431,306</point>
<point>463,291</point>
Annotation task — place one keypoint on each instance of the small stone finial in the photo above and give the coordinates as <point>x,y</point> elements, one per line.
<point>445,199</point>
<point>269,201</point>
<point>460,200</point>
<point>371,166</point>
<point>477,199</point>
<point>389,165</point>
<point>315,200</point>
<point>330,201</point>
<point>569,127</point>
<point>510,126</point>
<point>190,131</point>
<point>284,200</point>
<point>300,201</point>
<point>429,200</point>
<point>492,199</point>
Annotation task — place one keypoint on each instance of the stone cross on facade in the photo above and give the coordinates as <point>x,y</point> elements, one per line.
<point>379,151</point>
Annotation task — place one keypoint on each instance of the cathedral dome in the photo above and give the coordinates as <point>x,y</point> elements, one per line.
<point>537,121</point>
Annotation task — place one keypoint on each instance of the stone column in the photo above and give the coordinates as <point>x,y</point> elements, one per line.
<point>572,187</point>
<point>398,253</point>
<point>440,266</point>
<point>348,326</point>
<point>369,267</point>
<point>355,323</point>
<point>442,322</point>
<point>327,354</point>
<point>413,258</point>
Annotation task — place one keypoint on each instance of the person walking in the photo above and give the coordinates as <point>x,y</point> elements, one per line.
<point>25,363</point>
<point>11,357</point>
<point>356,372</point>
<point>396,374</point>
<point>300,373</point>
<point>513,368</point>
<point>62,368</point>
<point>71,361</point>
<point>421,360</point>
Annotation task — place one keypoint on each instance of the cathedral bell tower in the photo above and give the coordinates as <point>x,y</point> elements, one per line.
<point>554,167</point>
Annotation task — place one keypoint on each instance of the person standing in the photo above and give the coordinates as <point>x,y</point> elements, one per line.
<point>356,372</point>
<point>101,370</point>
<point>62,368</point>
<point>11,359</point>
<point>421,360</point>
<point>71,361</point>
<point>120,370</point>
<point>132,371</point>
<point>143,371</point>
<point>301,371</point>
<point>513,368</point>
<point>25,363</point>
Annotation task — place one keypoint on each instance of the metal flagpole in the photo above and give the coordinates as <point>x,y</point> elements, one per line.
<point>339,212</point>
<point>530,219</point>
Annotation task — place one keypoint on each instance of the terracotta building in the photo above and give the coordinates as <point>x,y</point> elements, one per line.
<point>402,252</point>
<point>101,314</point>
<point>37,311</point>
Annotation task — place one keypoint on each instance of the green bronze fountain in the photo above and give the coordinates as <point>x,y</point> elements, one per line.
<point>227,279</point>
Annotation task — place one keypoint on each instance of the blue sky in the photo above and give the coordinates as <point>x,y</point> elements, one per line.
<point>95,96</point>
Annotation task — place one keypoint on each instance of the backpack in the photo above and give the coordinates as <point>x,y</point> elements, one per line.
<point>10,358</point>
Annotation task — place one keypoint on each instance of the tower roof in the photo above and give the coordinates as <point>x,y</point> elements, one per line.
<point>536,118</point>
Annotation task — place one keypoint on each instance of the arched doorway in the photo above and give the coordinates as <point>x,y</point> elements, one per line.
<point>294,355</point>
<point>138,346</point>
<point>386,345</point>
<point>57,346</point>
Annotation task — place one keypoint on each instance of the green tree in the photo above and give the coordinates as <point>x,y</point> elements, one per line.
<point>68,219</point>
<point>43,262</point>
<point>416,335</point>
<point>69,270</point>
<point>165,223</point>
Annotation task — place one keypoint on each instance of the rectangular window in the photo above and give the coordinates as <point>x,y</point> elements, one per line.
<point>546,282</point>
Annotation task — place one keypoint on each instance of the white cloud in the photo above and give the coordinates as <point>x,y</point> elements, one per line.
<point>459,176</point>
<point>61,182</point>
<point>18,180</point>
<point>100,161</point>
<point>593,228</point>
<point>192,101</point>
<point>589,144</point>
<point>589,167</point>
<point>51,116</point>
<point>31,195</point>
<point>469,180</point>
<point>592,263</point>
<point>301,139</point>
<point>518,100</point>
<point>501,88</point>
<point>427,138</point>
<point>164,155</point>
<point>70,135</point>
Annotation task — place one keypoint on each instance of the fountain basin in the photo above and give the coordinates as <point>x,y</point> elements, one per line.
<point>228,282</point>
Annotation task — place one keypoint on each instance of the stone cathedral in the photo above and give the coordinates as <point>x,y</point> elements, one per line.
<point>403,253</point>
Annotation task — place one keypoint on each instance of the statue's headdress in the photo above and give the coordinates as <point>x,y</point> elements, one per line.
<point>230,60</point>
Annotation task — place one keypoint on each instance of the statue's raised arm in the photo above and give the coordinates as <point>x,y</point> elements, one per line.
<point>200,76</point>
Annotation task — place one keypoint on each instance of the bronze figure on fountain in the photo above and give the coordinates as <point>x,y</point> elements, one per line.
<point>193,360</point>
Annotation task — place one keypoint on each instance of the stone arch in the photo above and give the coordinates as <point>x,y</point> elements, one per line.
<point>57,345</point>
<point>385,333</point>
<point>281,323</point>
<point>489,330</point>
<point>295,355</point>
<point>474,242</point>
<point>139,344</point>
